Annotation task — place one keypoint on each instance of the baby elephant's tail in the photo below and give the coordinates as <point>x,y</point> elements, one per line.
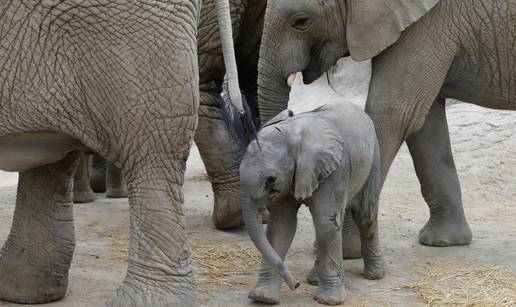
<point>367,204</point>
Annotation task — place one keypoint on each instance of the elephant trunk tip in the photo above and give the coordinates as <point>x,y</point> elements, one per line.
<point>292,283</point>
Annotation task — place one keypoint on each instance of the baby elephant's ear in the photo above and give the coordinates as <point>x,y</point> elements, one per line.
<point>319,154</point>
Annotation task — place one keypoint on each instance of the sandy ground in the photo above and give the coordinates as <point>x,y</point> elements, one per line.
<point>485,153</point>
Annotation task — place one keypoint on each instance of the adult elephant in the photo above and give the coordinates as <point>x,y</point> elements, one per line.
<point>461,49</point>
<point>220,154</point>
<point>120,79</point>
<point>96,175</point>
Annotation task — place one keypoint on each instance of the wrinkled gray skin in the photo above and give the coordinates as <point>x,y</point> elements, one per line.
<point>66,67</point>
<point>324,159</point>
<point>96,175</point>
<point>220,154</point>
<point>462,49</point>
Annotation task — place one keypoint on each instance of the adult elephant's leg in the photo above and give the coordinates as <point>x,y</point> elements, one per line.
<point>98,174</point>
<point>221,157</point>
<point>35,259</point>
<point>116,186</point>
<point>159,271</point>
<point>82,192</point>
<point>433,160</point>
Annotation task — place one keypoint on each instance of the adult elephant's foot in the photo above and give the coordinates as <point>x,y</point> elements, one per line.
<point>330,295</point>
<point>130,294</point>
<point>116,192</point>
<point>267,291</point>
<point>446,230</point>
<point>83,197</point>
<point>351,244</point>
<point>226,211</point>
<point>24,283</point>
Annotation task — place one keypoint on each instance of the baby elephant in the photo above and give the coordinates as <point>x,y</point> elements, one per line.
<point>329,160</point>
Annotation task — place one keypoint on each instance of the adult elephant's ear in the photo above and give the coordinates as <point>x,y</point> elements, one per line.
<point>319,153</point>
<point>374,25</point>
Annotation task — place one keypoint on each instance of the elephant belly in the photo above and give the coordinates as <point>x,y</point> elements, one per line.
<point>24,151</point>
<point>482,92</point>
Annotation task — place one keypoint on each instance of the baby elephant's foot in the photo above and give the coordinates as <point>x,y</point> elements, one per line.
<point>267,292</point>
<point>374,268</point>
<point>330,295</point>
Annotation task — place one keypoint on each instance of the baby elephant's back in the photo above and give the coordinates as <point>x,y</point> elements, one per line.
<point>358,135</point>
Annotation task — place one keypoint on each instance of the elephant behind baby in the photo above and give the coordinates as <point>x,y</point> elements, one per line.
<point>220,154</point>
<point>462,49</point>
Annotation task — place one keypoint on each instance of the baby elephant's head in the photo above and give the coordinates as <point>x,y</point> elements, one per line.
<point>266,174</point>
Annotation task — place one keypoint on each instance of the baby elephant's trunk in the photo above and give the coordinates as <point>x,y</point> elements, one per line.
<point>252,218</point>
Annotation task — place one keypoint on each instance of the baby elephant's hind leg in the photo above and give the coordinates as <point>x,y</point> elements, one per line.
<point>365,213</point>
<point>35,259</point>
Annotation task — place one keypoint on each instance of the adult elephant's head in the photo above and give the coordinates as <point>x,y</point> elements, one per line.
<point>309,36</point>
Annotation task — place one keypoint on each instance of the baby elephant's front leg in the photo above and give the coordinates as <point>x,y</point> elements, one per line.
<point>328,220</point>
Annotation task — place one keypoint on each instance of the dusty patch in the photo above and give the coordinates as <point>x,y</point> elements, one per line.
<point>119,245</point>
<point>221,264</point>
<point>458,283</point>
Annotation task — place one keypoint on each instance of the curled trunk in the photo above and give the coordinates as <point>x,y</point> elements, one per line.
<point>253,221</point>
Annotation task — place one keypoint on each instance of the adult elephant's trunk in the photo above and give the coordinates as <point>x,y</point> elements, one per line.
<point>273,88</point>
<point>253,222</point>
<point>226,39</point>
<point>237,116</point>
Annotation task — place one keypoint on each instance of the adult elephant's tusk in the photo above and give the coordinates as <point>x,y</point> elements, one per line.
<point>291,78</point>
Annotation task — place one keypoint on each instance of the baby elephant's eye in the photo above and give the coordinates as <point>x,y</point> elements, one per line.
<point>301,22</point>
<point>269,182</point>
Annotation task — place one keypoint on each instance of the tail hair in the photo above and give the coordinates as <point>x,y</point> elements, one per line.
<point>240,126</point>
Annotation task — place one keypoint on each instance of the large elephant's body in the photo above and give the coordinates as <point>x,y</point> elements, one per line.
<point>120,78</point>
<point>221,155</point>
<point>462,49</point>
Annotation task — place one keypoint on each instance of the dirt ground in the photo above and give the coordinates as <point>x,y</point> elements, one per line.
<point>484,144</point>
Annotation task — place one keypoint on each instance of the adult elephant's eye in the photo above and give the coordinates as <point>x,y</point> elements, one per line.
<point>301,22</point>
